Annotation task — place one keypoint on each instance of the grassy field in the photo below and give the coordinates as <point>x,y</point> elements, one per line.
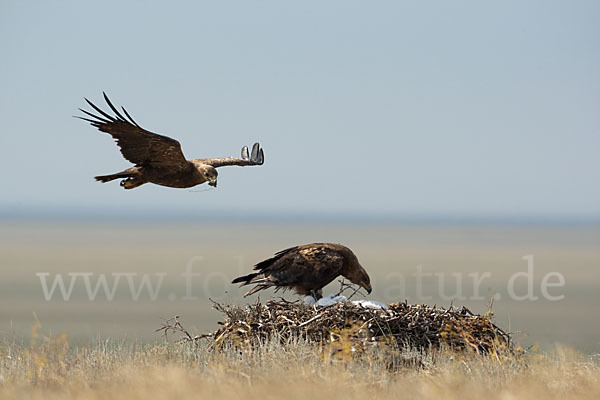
<point>107,348</point>
<point>47,368</point>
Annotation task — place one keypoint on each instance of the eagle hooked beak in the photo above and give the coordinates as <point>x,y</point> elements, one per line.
<point>213,182</point>
<point>367,287</point>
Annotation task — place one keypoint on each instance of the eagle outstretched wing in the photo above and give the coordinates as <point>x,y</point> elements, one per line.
<point>256,157</point>
<point>138,145</point>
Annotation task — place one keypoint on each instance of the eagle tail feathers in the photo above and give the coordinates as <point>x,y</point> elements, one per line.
<point>256,289</point>
<point>246,279</point>
<point>108,178</point>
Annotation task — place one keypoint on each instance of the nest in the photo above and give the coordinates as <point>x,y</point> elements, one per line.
<point>401,325</point>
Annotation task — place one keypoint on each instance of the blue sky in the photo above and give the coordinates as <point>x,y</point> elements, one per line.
<point>461,108</point>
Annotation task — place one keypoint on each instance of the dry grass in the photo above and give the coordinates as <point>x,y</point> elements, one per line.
<point>49,368</point>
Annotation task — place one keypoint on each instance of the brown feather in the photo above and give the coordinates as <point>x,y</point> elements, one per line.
<point>306,269</point>
<point>158,159</point>
<point>138,145</point>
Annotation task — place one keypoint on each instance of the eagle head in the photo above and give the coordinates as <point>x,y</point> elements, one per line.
<point>364,280</point>
<point>209,173</point>
<point>359,276</point>
<point>352,269</point>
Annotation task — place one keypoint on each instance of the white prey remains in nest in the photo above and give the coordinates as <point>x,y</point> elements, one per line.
<point>334,298</point>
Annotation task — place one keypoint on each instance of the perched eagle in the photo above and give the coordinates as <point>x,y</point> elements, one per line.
<point>307,269</point>
<point>158,159</point>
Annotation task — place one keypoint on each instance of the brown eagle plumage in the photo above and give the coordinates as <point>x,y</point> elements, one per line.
<point>307,269</point>
<point>158,159</point>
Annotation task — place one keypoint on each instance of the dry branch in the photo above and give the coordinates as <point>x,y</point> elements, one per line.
<point>401,325</point>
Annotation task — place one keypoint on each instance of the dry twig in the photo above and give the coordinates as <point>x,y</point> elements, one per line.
<point>401,325</point>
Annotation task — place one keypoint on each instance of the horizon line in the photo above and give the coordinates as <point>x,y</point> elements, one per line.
<point>92,214</point>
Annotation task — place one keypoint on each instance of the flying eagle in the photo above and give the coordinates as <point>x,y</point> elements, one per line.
<point>158,159</point>
<point>307,269</point>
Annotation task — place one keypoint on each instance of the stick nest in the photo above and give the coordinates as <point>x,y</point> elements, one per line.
<point>400,326</point>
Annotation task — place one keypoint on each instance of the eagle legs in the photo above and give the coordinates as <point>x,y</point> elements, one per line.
<point>133,178</point>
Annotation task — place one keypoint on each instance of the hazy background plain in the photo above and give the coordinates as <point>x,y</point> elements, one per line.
<point>460,136</point>
<point>219,252</point>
